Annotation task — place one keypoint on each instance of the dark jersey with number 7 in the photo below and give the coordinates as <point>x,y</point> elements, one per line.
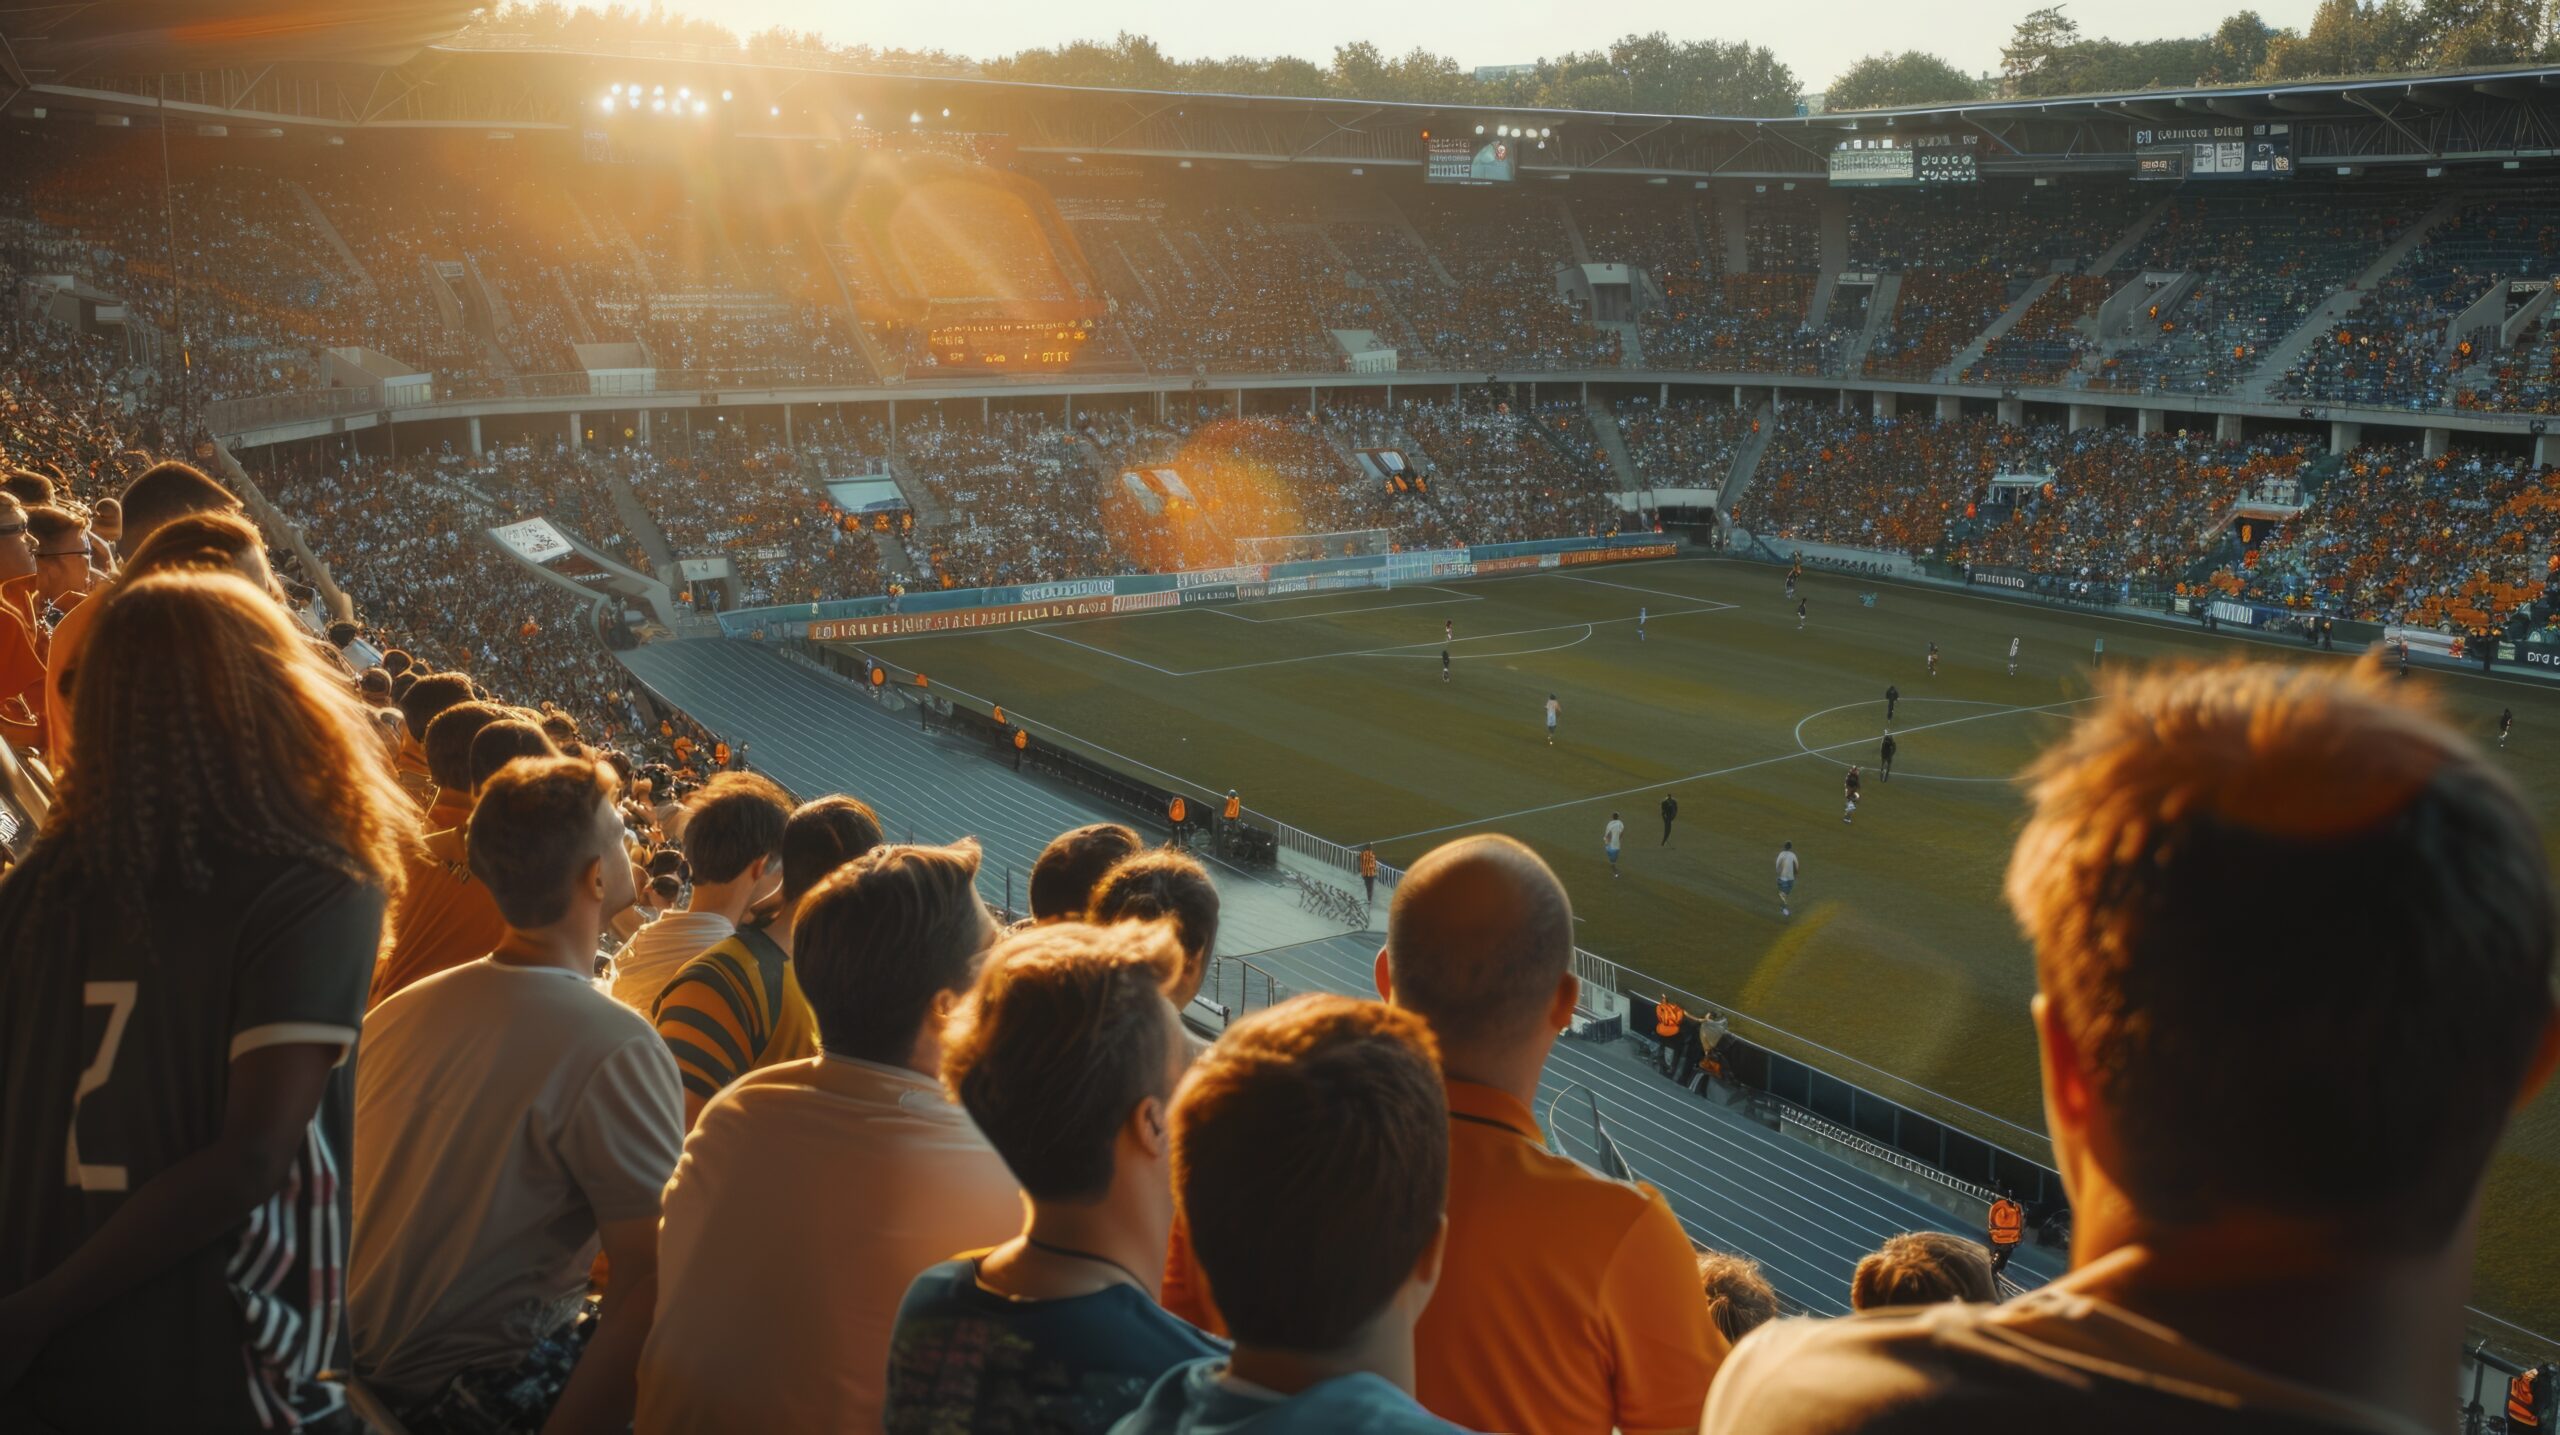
<point>122,1014</point>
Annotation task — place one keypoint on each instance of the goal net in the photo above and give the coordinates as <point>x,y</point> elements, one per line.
<point>1297,547</point>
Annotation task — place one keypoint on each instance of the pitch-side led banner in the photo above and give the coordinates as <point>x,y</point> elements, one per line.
<point>1613,555</point>
<point>955,620</point>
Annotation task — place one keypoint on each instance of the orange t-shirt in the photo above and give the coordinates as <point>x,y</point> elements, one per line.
<point>62,664</point>
<point>1567,1302</point>
<point>445,918</point>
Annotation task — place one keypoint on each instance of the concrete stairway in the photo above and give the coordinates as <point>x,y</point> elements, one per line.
<point>2281,357</point>
<point>1834,234</point>
<point>919,496</point>
<point>2133,235</point>
<point>1880,306</point>
<point>644,527</point>
<point>1604,426</point>
<point>894,559</point>
<point>1630,341</point>
<point>1746,460</point>
<point>1971,354</point>
<point>1395,215</point>
<point>320,221</point>
<point>1573,233</point>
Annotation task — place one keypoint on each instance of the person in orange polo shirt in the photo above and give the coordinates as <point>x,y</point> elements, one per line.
<point>444,916</point>
<point>1568,1302</point>
<point>22,637</point>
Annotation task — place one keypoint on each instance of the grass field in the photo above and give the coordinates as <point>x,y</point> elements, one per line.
<point>1329,712</point>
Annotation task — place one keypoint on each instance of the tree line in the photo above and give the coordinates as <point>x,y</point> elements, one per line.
<point>2047,55</point>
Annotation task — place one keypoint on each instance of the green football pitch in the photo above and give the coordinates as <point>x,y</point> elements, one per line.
<point>1330,712</point>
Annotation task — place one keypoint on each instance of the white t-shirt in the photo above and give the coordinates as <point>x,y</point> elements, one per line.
<point>1787,865</point>
<point>809,1197</point>
<point>502,1114</point>
<point>659,950</point>
<point>2013,647</point>
<point>1552,709</point>
<point>1610,834</point>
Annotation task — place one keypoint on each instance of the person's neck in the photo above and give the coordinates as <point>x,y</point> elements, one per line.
<point>568,944</point>
<point>722,899</point>
<point>2312,1307</point>
<point>1385,1351</point>
<point>1511,1069</point>
<point>1114,1231</point>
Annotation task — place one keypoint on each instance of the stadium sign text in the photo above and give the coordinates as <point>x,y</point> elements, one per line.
<point>1077,588</point>
<point>1139,602</point>
<point>1211,577</point>
<point>895,624</point>
<point>2000,577</point>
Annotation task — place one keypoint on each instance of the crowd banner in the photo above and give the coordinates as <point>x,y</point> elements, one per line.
<point>534,538</point>
<point>2428,640</point>
<point>959,609</point>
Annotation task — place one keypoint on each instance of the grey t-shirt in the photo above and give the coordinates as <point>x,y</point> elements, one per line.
<point>503,1113</point>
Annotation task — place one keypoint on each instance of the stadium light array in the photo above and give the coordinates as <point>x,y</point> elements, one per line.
<point>657,107</point>
<point>1479,129</point>
<point>915,117</point>
<point>775,112</point>
<point>616,89</point>
<point>657,92</point>
<point>685,93</point>
<point>726,97</point>
<point>607,104</point>
<point>701,107</point>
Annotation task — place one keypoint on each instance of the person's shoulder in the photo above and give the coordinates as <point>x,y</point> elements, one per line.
<point>1916,1369</point>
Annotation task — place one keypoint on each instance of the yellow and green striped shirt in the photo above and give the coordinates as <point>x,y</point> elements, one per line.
<point>732,1010</point>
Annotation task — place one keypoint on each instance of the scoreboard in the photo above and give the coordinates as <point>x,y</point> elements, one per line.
<point>2251,151</point>
<point>1897,160</point>
<point>1456,159</point>
<point>998,346</point>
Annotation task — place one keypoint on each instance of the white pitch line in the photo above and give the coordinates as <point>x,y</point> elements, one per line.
<point>1634,588</point>
<point>1225,611</point>
<point>1718,772</point>
<point>1106,652</point>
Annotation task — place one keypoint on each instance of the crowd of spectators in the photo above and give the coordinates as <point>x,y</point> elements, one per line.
<point>2394,348</point>
<point>753,501</point>
<point>817,1141</point>
<point>1211,285</point>
<point>1021,500</point>
<point>1508,476</point>
<point>1683,445</point>
<point>2047,342</point>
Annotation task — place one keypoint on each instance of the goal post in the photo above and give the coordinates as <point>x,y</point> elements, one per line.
<point>1298,547</point>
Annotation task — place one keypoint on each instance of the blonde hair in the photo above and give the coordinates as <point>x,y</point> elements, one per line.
<point>205,725</point>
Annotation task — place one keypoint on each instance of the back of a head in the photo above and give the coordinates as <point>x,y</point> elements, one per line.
<point>494,746</point>
<point>1311,1166</point>
<point>1066,1032</point>
<point>1739,1298</point>
<point>268,752</point>
<point>1479,938</point>
<point>820,836</point>
<point>880,938</point>
<point>397,661</point>
<point>431,694</point>
<point>165,492</point>
<point>28,487</point>
<point>736,818</point>
<point>1071,866</point>
<point>533,831</point>
<point>2202,878</point>
<point>201,540</point>
<point>449,738</point>
<point>1162,885</point>
<point>1922,1268</point>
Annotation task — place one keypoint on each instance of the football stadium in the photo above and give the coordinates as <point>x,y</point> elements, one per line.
<point>712,731</point>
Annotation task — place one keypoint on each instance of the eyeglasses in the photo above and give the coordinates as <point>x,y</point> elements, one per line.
<point>64,553</point>
<point>18,531</point>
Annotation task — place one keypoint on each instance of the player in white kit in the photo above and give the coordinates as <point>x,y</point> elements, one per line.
<point>1554,711</point>
<point>2013,657</point>
<point>1786,877</point>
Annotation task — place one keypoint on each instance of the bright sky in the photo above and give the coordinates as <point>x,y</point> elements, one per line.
<point>1817,40</point>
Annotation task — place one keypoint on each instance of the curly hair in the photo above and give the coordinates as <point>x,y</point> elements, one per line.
<point>206,725</point>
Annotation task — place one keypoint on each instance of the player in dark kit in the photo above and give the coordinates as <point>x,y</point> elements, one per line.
<point>1800,615</point>
<point>1444,665</point>
<point>2506,724</point>
<point>1933,660</point>
<point>1670,809</point>
<point>1849,794</point>
<point>1892,695</point>
<point>1890,748</point>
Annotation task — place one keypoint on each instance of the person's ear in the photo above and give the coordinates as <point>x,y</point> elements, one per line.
<point>595,877</point>
<point>1560,1009</point>
<point>1383,973</point>
<point>1148,1128</point>
<point>2067,1097</point>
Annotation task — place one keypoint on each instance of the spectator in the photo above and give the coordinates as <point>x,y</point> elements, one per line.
<point>1169,886</point>
<point>2241,1261</point>
<point>1922,1268</point>
<point>200,1228</point>
<point>63,573</point>
<point>733,843</point>
<point>428,695</point>
<point>502,742</point>
<point>1739,1297</point>
<point>163,494</point>
<point>1071,866</point>
<point>1569,1302</point>
<point>1312,1166</point>
<point>739,1006</point>
<point>811,1193</point>
<point>446,915</point>
<point>664,879</point>
<point>1066,1056</point>
<point>511,1119</point>
<point>22,650</point>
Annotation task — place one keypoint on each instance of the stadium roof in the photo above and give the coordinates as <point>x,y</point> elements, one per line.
<point>56,44</point>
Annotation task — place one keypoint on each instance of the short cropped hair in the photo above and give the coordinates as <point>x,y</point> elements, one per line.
<point>1071,866</point>
<point>431,694</point>
<point>822,835</point>
<point>882,936</point>
<point>1311,1166</point>
<point>27,486</point>
<point>1478,938</point>
<point>2240,883</point>
<point>1922,1268</point>
<point>495,745</point>
<point>1162,885</point>
<point>448,739</point>
<point>167,491</point>
<point>1739,1298</point>
<point>533,831</point>
<point>736,818</point>
<point>1066,1032</point>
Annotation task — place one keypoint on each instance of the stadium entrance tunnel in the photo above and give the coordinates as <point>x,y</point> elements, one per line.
<point>1940,739</point>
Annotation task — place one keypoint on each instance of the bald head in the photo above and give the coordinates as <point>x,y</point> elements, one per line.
<point>1479,940</point>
